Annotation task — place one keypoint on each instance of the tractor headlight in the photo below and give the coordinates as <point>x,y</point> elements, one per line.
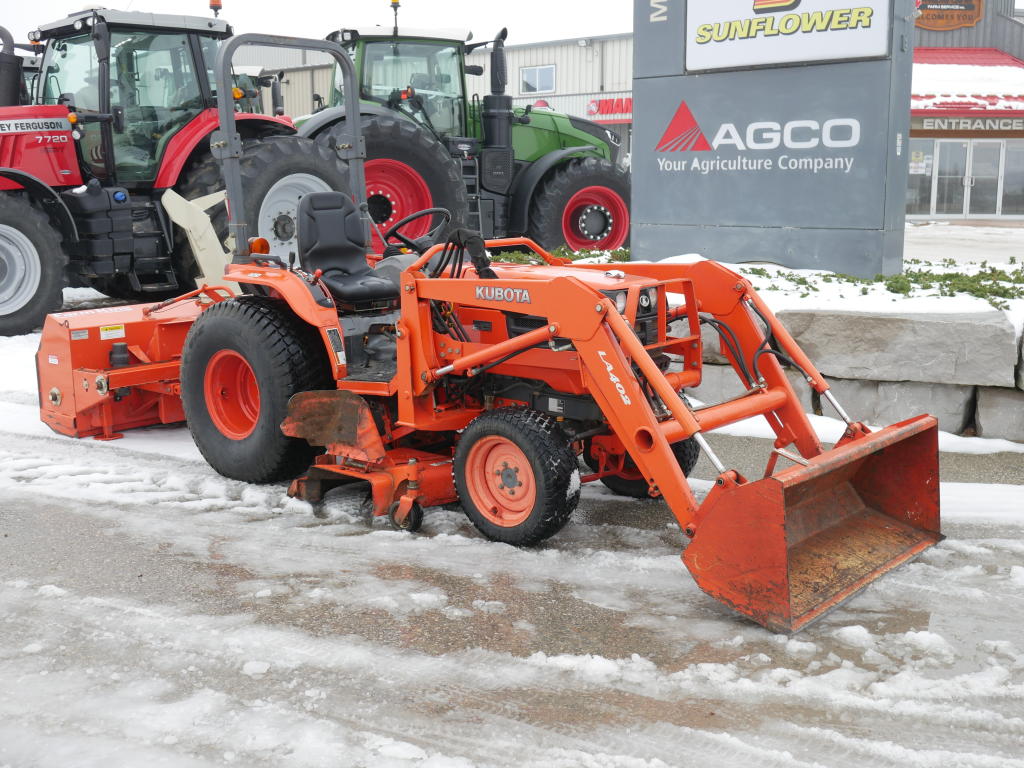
<point>619,297</point>
<point>649,301</point>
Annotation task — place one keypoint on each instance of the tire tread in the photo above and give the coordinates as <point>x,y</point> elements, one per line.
<point>294,351</point>
<point>541,434</point>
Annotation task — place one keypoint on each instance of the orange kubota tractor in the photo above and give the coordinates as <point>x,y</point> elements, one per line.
<point>436,374</point>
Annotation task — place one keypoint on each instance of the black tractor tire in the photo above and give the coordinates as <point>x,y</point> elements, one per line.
<point>566,186</point>
<point>686,451</point>
<point>264,163</point>
<point>285,356</point>
<point>32,266</point>
<point>551,480</point>
<point>400,139</point>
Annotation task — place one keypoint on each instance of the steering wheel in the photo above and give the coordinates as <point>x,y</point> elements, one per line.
<point>432,235</point>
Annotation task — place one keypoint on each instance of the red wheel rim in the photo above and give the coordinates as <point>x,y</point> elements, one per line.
<point>232,394</point>
<point>500,481</point>
<point>393,191</point>
<point>595,218</point>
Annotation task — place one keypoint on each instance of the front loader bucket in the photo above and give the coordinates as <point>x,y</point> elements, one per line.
<point>786,549</point>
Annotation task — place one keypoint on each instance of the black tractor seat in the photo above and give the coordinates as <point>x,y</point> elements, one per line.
<point>331,238</point>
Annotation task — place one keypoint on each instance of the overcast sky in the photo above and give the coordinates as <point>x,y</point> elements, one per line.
<point>527,20</point>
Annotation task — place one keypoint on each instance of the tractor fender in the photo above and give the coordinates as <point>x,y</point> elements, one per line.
<point>310,302</point>
<point>328,117</point>
<point>194,139</point>
<point>41,192</point>
<point>527,181</point>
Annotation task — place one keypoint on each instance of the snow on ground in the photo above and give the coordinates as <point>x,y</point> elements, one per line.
<point>304,641</point>
<point>153,612</point>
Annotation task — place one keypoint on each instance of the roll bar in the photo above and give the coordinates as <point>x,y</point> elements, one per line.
<point>226,144</point>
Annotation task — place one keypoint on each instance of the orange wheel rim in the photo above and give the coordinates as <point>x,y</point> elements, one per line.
<point>232,394</point>
<point>501,482</point>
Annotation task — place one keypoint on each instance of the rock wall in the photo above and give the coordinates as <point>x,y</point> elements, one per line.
<point>965,369</point>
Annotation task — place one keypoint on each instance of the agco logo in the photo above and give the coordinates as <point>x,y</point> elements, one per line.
<point>685,135</point>
<point>497,293</point>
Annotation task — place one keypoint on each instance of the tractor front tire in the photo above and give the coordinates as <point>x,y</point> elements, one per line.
<point>32,264</point>
<point>516,476</point>
<point>407,170</point>
<point>276,172</point>
<point>632,483</point>
<point>243,360</point>
<point>582,204</point>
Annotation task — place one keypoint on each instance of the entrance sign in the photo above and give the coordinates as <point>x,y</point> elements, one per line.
<point>798,158</point>
<point>728,34</point>
<point>943,15</point>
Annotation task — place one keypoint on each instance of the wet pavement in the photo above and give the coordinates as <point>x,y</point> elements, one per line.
<point>152,612</point>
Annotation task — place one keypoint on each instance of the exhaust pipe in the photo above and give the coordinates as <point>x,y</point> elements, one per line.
<point>10,71</point>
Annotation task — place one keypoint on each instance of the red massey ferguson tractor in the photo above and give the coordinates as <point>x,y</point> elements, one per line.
<point>125,105</point>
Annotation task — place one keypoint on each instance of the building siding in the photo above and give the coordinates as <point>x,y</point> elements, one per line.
<point>999,28</point>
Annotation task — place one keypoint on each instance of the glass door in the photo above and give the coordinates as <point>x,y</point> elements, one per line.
<point>983,178</point>
<point>951,178</point>
<point>1013,179</point>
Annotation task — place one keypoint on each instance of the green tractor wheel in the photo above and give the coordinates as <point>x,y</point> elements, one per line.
<point>582,204</point>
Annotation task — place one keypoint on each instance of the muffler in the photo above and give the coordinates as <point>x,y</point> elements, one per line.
<point>786,549</point>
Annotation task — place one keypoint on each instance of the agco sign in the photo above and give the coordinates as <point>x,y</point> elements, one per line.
<point>726,34</point>
<point>684,134</point>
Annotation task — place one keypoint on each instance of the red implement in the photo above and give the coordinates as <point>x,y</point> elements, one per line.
<point>786,549</point>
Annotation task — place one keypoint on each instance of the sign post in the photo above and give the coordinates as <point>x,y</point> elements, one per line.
<point>777,134</point>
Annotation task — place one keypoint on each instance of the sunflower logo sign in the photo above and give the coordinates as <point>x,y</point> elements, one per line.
<point>735,34</point>
<point>770,6</point>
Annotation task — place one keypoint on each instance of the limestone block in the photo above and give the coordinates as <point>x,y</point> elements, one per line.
<point>886,402</point>
<point>709,340</point>
<point>968,349</point>
<point>718,383</point>
<point>1000,413</point>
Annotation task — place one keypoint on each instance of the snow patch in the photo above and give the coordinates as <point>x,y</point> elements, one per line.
<point>489,606</point>
<point>50,590</point>
<point>574,484</point>
<point>929,644</point>
<point>255,668</point>
<point>854,636</point>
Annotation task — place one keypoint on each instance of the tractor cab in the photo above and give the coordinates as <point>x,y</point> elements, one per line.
<point>420,73</point>
<point>135,80</point>
<point>29,76</point>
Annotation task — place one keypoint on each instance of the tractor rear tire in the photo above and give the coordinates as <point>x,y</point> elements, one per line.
<point>582,204</point>
<point>516,476</point>
<point>32,264</point>
<point>686,451</point>
<point>243,360</point>
<point>407,170</point>
<point>276,172</point>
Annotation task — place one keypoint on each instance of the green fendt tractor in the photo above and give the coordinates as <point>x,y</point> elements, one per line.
<point>505,171</point>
